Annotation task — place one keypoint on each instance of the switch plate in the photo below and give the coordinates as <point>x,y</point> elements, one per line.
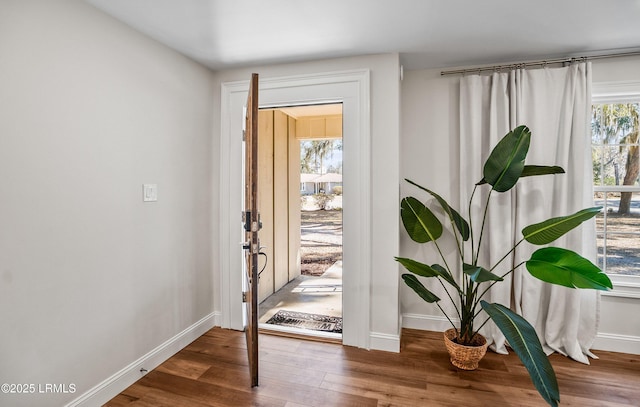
<point>149,192</point>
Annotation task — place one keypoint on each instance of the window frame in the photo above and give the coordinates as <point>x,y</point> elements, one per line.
<point>627,286</point>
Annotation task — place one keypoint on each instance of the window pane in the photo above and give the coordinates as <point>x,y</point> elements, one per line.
<point>600,216</point>
<point>622,234</point>
<point>600,241</point>
<point>612,123</point>
<point>623,254</point>
<point>611,201</point>
<point>623,206</point>
<point>632,165</point>
<point>610,165</point>
<point>596,156</point>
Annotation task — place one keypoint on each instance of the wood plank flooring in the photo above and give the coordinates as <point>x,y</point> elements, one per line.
<point>213,371</point>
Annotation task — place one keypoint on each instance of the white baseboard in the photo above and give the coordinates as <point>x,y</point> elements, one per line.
<point>385,342</point>
<point>434,323</point>
<point>112,386</point>
<point>604,341</point>
<point>617,343</point>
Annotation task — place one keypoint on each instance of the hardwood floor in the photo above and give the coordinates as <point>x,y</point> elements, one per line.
<point>212,371</point>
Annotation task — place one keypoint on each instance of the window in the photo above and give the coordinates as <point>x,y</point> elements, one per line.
<point>616,168</point>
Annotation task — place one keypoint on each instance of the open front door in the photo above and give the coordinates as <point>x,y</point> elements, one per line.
<point>251,227</point>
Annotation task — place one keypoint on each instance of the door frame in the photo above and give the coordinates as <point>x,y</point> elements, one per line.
<point>351,88</point>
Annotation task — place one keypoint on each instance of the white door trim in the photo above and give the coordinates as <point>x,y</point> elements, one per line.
<point>352,89</point>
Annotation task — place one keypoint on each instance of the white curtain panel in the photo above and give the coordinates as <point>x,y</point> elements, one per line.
<point>555,103</point>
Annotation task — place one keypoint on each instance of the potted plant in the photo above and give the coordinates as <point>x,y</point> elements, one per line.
<point>502,170</point>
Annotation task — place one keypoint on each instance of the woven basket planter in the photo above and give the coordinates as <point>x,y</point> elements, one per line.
<point>465,357</point>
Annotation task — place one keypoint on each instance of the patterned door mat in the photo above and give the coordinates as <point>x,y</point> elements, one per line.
<point>303,320</point>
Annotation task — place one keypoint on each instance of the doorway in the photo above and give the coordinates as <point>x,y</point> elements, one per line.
<point>351,88</point>
<point>300,161</point>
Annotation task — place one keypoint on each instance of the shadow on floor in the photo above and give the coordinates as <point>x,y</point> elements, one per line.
<point>313,295</point>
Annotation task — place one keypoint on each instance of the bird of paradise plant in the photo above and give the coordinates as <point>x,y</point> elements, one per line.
<point>502,170</point>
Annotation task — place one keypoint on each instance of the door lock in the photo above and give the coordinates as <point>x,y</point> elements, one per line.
<point>251,226</point>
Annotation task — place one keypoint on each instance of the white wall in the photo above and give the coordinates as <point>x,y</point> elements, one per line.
<point>92,278</point>
<point>429,150</point>
<point>385,102</point>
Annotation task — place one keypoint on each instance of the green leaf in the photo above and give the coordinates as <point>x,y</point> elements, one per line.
<point>551,229</point>
<point>421,224</point>
<point>424,270</point>
<point>479,274</point>
<point>421,290</point>
<point>532,170</point>
<point>439,268</point>
<point>456,219</point>
<point>564,267</point>
<point>525,343</point>
<point>506,162</point>
<point>446,275</point>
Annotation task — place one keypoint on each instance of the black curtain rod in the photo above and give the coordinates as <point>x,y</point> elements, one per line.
<point>498,68</point>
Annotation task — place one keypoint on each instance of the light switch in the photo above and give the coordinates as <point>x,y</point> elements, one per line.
<point>149,192</point>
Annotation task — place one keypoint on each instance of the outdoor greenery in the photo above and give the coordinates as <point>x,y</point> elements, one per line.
<point>314,152</point>
<point>321,202</point>
<point>502,170</point>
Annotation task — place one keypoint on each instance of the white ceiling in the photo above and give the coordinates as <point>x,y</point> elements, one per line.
<point>427,33</point>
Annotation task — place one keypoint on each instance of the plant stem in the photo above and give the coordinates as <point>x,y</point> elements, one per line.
<point>470,220</point>
<point>484,219</point>
<point>442,257</point>
<point>449,319</point>
<point>493,283</point>
<point>449,270</point>
<point>450,298</point>
<point>513,269</point>
<point>466,321</point>
<point>506,255</point>
<point>483,324</point>
<point>464,282</point>
<point>454,229</point>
